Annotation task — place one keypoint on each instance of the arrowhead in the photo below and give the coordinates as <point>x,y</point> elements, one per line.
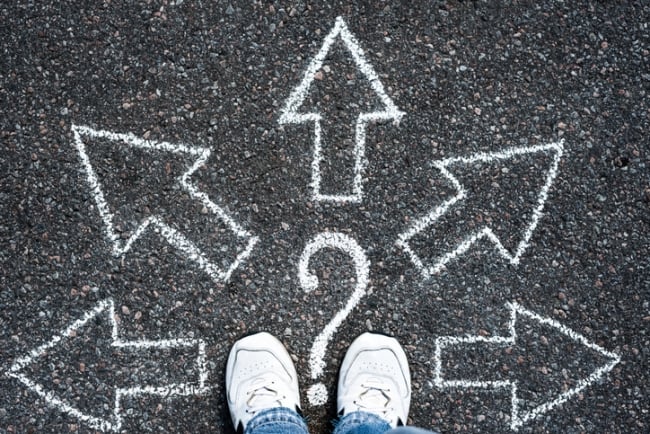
<point>134,190</point>
<point>554,363</point>
<point>70,371</point>
<point>340,32</point>
<point>506,190</point>
<point>499,197</point>
<point>130,183</point>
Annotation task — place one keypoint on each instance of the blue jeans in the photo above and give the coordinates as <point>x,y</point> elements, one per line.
<point>286,421</point>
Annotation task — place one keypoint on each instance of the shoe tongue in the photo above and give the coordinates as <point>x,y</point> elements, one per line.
<point>374,396</point>
<point>262,395</point>
<point>375,382</point>
<point>259,381</point>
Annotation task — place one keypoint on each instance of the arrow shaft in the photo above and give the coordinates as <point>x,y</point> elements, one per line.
<point>171,367</point>
<point>450,233</point>
<point>189,249</point>
<point>195,238</point>
<point>473,361</point>
<point>329,166</point>
<point>159,365</point>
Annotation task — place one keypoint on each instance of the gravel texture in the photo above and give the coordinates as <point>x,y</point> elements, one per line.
<point>471,76</point>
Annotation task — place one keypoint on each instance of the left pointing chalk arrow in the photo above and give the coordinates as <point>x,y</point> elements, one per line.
<point>153,204</point>
<point>94,338</point>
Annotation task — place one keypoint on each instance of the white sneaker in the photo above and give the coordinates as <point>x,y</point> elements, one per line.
<point>375,378</point>
<point>259,375</point>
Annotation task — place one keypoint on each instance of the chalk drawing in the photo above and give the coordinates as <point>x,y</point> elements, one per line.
<point>291,115</point>
<point>317,393</point>
<point>518,417</point>
<point>556,149</point>
<point>107,308</point>
<point>173,236</point>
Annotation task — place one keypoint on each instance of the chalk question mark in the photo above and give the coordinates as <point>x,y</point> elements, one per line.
<point>317,393</point>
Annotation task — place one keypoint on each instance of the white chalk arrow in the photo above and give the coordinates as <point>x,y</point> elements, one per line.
<point>526,329</point>
<point>83,336</point>
<point>464,195</point>
<point>291,114</point>
<point>173,235</point>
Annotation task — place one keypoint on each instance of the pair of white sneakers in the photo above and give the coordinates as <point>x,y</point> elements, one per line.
<point>374,378</point>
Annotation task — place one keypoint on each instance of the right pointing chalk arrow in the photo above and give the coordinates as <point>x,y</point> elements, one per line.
<point>473,231</point>
<point>544,350</point>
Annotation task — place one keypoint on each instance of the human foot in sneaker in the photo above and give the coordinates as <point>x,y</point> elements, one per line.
<point>259,375</point>
<point>375,378</point>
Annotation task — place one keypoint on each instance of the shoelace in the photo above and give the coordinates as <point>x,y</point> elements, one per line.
<point>375,397</point>
<point>263,397</point>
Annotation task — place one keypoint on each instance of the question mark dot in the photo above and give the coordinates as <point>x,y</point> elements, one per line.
<point>317,394</point>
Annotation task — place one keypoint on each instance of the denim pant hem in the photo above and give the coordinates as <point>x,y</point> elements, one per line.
<point>362,423</point>
<point>276,420</point>
<point>282,420</point>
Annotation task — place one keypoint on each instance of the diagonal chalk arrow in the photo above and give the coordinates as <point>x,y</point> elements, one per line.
<point>484,231</point>
<point>172,235</point>
<point>291,115</point>
<point>141,350</point>
<point>452,354</point>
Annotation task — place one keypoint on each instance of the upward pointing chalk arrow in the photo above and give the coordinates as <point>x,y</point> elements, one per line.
<point>169,232</point>
<point>291,114</point>
<point>464,195</point>
<point>86,331</point>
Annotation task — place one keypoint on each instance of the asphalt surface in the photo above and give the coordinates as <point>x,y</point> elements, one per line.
<point>470,77</point>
